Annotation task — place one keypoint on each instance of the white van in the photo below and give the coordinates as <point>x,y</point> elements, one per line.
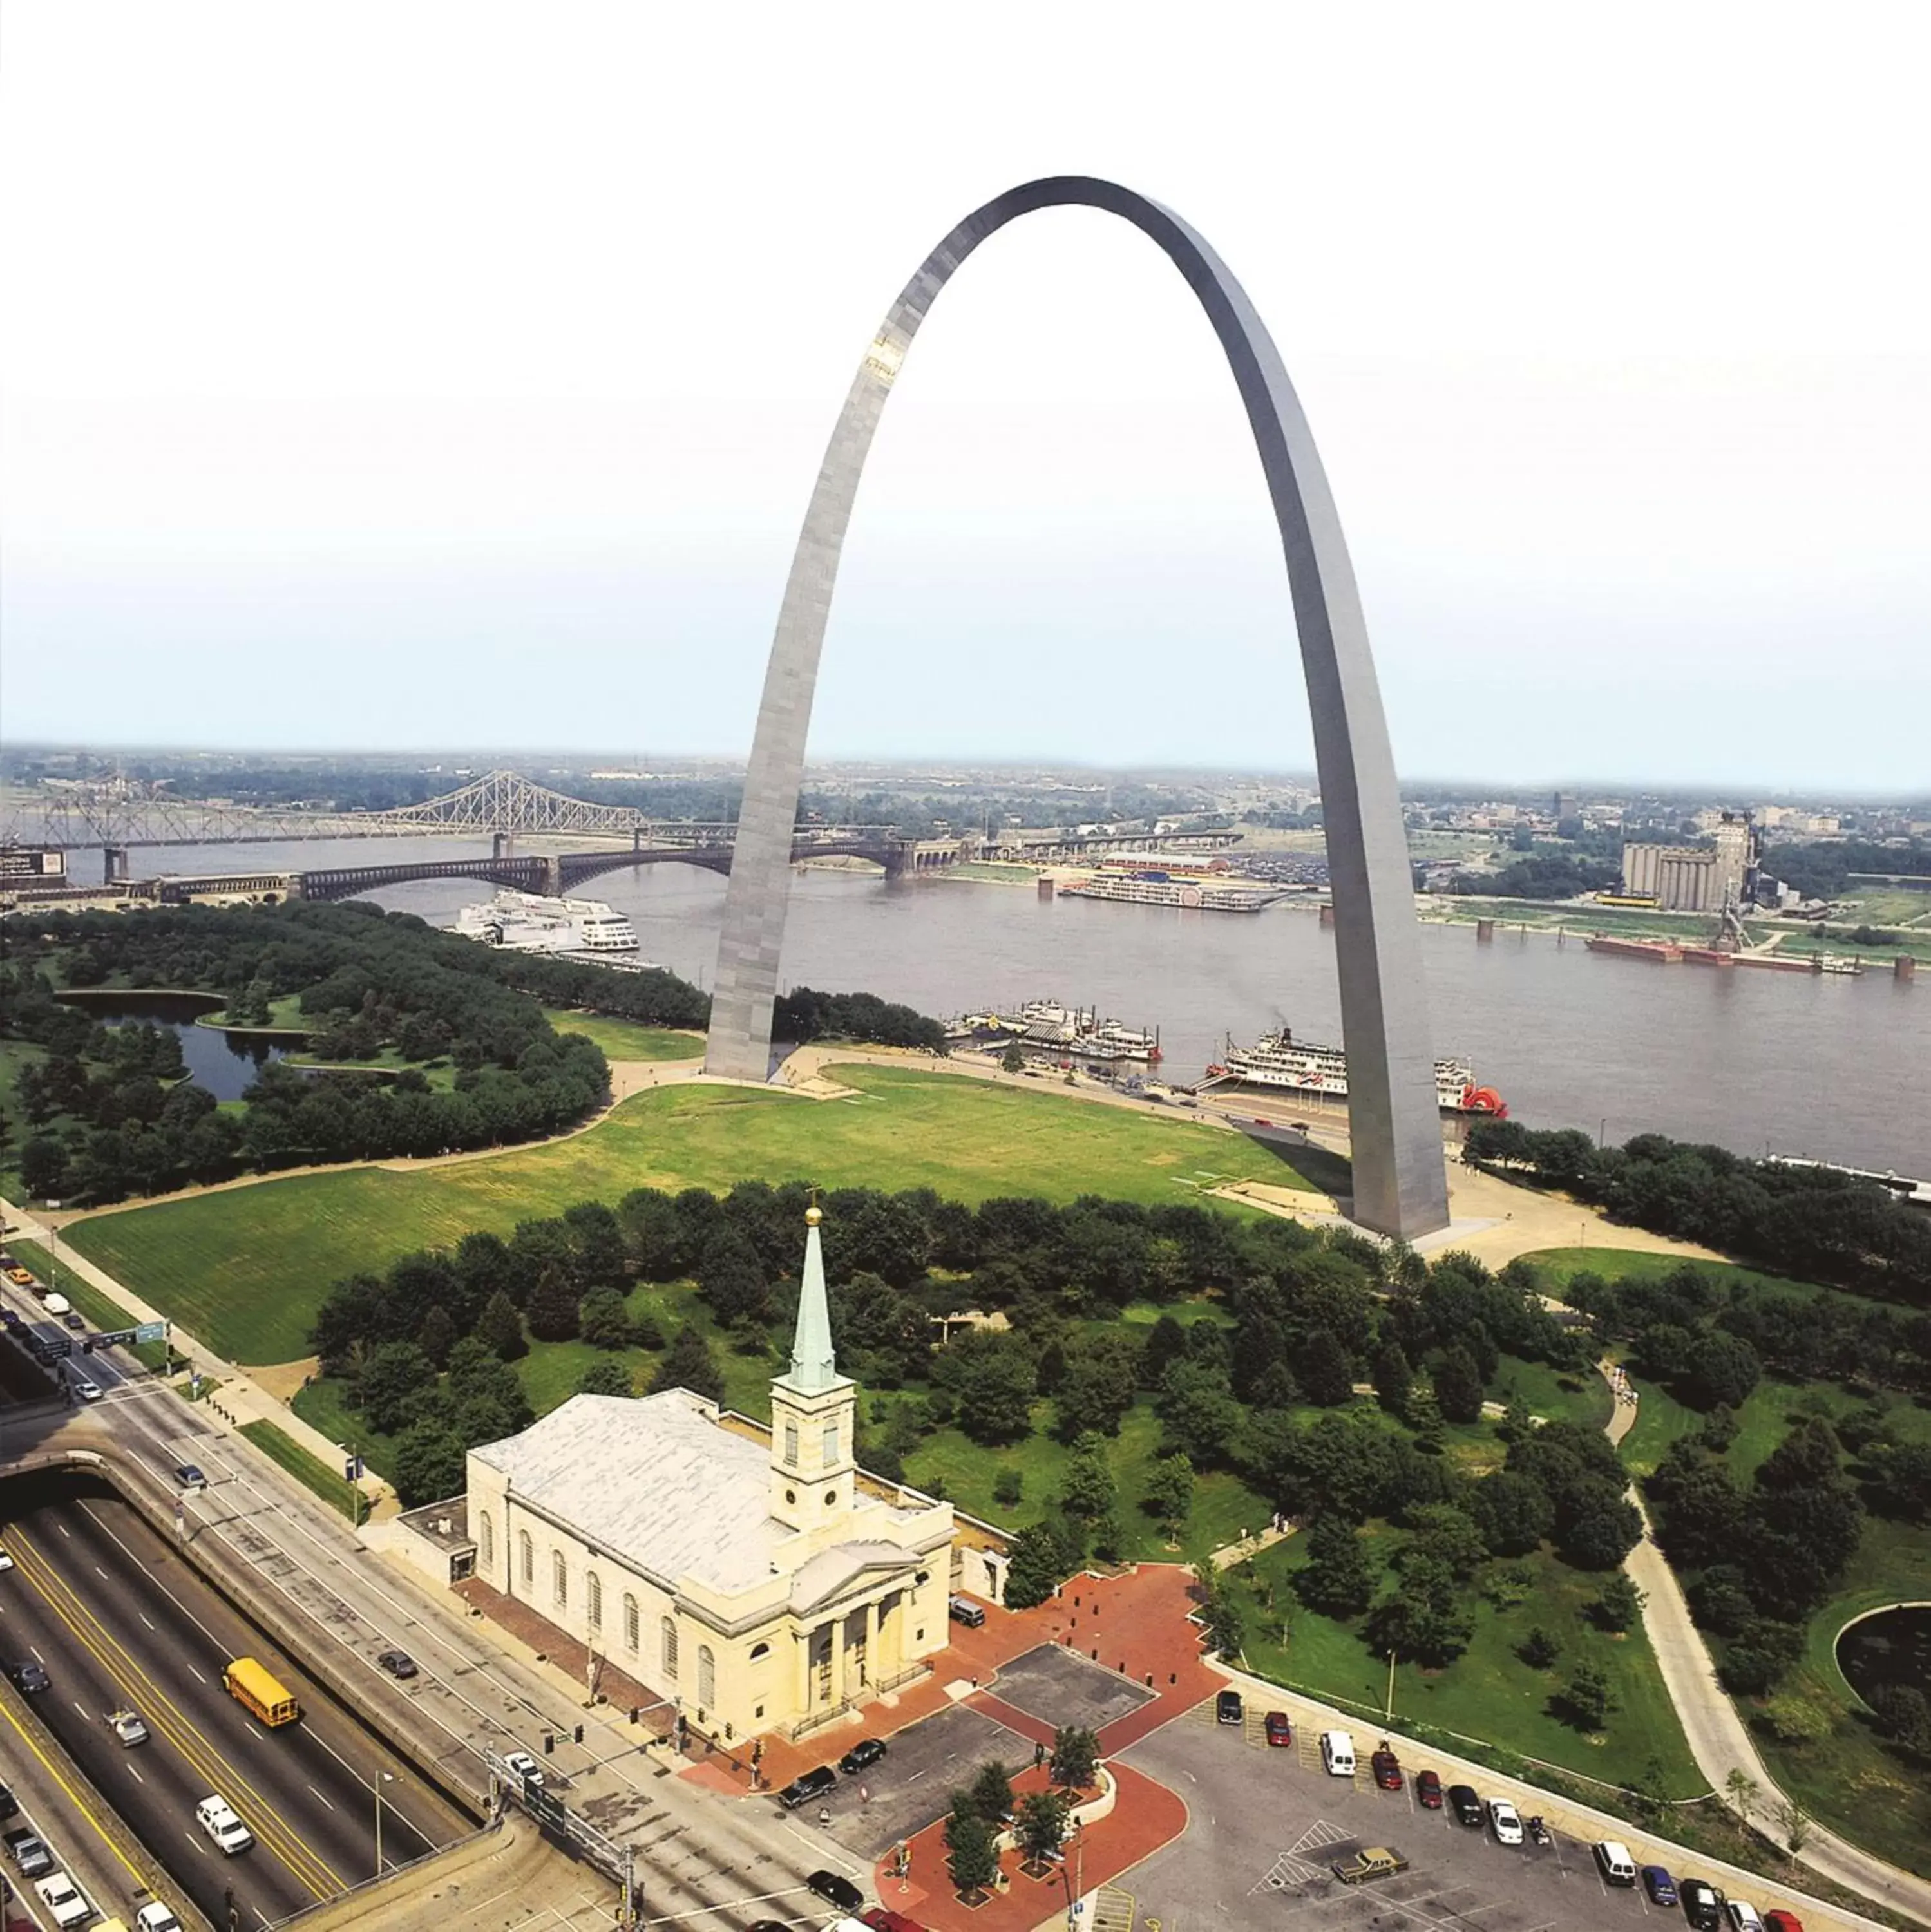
<point>1338,1754</point>
<point>1614,1862</point>
<point>58,1304</point>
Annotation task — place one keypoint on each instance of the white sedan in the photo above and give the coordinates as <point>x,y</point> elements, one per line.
<point>6,1561</point>
<point>1505,1821</point>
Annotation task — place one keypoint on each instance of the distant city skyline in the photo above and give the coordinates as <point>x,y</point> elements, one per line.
<point>1618,364</point>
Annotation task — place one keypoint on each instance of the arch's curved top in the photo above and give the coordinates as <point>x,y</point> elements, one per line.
<point>1400,1181</point>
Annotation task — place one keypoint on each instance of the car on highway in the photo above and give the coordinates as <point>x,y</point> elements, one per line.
<point>1702,1904</point>
<point>155,1917</point>
<point>20,1277</point>
<point>521,1765</point>
<point>1279,1730</point>
<point>189,1476</point>
<point>1505,1821</point>
<point>65,1899</point>
<point>1228,1709</point>
<point>866,1750</point>
<point>1371,1862</point>
<point>1465,1806</point>
<point>88,1391</point>
<point>29,1677</point>
<point>397,1663</point>
<point>9,1804</point>
<point>815,1782</point>
<point>216,1816</point>
<point>1428,1790</point>
<point>1387,1769</point>
<point>70,1320</point>
<point>10,1319</point>
<point>25,1850</point>
<point>836,1890</point>
<point>127,1726</point>
<point>6,1561</point>
<point>1659,1886</point>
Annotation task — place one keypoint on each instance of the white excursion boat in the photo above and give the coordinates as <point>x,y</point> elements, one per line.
<point>528,922</point>
<point>1279,1060</point>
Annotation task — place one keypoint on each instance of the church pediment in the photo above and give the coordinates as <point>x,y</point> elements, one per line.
<point>832,1572</point>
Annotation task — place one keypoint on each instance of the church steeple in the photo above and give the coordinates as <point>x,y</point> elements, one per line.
<point>814,1412</point>
<point>814,1368</point>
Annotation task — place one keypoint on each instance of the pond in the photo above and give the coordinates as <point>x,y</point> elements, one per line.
<point>226,1063</point>
<point>1892,1647</point>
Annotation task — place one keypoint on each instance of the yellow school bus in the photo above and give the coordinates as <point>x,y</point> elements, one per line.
<point>257,1690</point>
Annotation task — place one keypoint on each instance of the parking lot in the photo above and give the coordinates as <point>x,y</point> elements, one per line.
<point>1266,1825</point>
<point>1058,1686</point>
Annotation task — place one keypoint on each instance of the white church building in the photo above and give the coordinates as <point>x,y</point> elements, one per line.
<point>759,1585</point>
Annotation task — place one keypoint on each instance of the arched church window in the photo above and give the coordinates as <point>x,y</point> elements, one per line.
<point>593,1599</point>
<point>486,1540</point>
<point>559,1579</point>
<point>706,1678</point>
<point>669,1629</point>
<point>631,1637</point>
<point>526,1556</point>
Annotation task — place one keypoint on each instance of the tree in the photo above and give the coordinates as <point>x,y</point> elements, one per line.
<point>1009,1486</point>
<point>437,1335</point>
<point>500,1328</point>
<point>1447,1535</point>
<point>428,1464</point>
<point>42,1166</point>
<point>687,1364</point>
<point>1088,1489</point>
<point>393,1376</point>
<point>1723,1370</point>
<point>1904,1715</point>
<point>1197,1405</point>
<point>1458,1385</point>
<point>1169,1493</point>
<point>992,1792</point>
<point>1427,1619</point>
<point>974,1859</point>
<point>1393,1379</point>
<point>603,1321</point>
<point>554,1313</point>
<point>1743,1791</point>
<point>1539,1649</point>
<point>1618,1604</point>
<point>1337,1580</point>
<point>1221,1609</point>
<point>604,1377</point>
<point>1326,1375</point>
<point>1012,1060</point>
<point>1585,1699</point>
<point>1513,1512</point>
<point>1165,1344</point>
<point>1041,1826</point>
<point>994,1385</point>
<point>1036,1570</point>
<point>731,1279</point>
<point>1097,1388</point>
<point>1598,1525</point>
<point>1075,1763</point>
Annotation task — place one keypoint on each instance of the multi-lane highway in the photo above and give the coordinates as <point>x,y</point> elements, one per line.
<point>120,1622</point>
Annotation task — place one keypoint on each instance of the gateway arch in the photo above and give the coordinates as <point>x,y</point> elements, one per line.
<point>1400,1180</point>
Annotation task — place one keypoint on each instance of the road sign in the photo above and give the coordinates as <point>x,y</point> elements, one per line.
<point>152,1331</point>
<point>545,1808</point>
<point>112,1338</point>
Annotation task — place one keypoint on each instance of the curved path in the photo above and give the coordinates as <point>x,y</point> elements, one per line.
<point>1719,1740</point>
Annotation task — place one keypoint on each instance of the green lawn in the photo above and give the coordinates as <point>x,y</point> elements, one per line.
<point>245,1269</point>
<point>324,1479</point>
<point>1489,1693</point>
<point>628,1040</point>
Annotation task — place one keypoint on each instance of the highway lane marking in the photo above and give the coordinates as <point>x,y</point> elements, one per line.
<point>284,1842</point>
<point>143,1615</point>
<point>149,1571</point>
<point>84,1718</point>
<point>74,1797</point>
<point>101,1574</point>
<point>195,1675</point>
<point>325,1800</point>
<point>63,1528</point>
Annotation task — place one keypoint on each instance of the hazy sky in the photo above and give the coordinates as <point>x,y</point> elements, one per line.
<point>403,374</point>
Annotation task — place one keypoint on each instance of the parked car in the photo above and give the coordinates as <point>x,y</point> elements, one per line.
<point>1505,1821</point>
<point>155,1917</point>
<point>883,1919</point>
<point>523,1767</point>
<point>128,1727</point>
<point>28,1852</point>
<point>1465,1806</point>
<point>963,1610</point>
<point>1428,1790</point>
<point>1613,1861</point>
<point>64,1900</point>
<point>1387,1769</point>
<point>866,1750</point>
<point>808,1785</point>
<point>1279,1730</point>
<point>1702,1904</point>
<point>397,1663</point>
<point>1228,1708</point>
<point>836,1890</point>
<point>1743,1915</point>
<point>216,1816</point>
<point>1659,1885</point>
<point>29,1678</point>
<point>1371,1862</point>
<point>1780,1921</point>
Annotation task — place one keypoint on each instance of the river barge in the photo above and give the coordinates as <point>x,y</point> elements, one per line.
<point>1152,886</point>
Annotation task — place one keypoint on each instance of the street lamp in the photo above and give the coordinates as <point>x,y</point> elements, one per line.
<point>382,1778</point>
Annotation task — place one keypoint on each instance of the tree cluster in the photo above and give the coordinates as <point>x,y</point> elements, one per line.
<point>1541,875</point>
<point>1807,1221</point>
<point>804,1015</point>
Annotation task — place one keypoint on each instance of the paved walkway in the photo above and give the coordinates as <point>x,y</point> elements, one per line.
<point>1719,1739</point>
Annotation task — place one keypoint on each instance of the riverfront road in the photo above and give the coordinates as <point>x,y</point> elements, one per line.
<point>119,1621</point>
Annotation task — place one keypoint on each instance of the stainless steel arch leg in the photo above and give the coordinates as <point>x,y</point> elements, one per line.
<point>1401,1184</point>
